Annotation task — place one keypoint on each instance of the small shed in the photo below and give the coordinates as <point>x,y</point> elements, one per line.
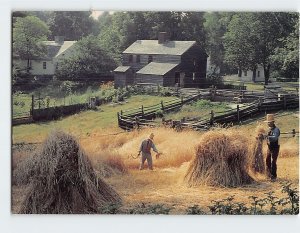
<point>163,74</point>
<point>123,76</point>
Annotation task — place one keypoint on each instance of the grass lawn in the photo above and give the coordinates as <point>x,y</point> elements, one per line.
<point>198,109</point>
<point>288,86</point>
<point>104,118</point>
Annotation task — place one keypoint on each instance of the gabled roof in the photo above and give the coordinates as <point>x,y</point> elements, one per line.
<point>55,49</point>
<point>122,68</point>
<point>157,68</point>
<point>153,47</point>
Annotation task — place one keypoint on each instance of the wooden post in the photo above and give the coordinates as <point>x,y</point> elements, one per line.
<point>32,105</point>
<point>284,102</point>
<point>259,104</point>
<point>212,117</point>
<point>181,100</point>
<point>162,106</point>
<point>121,112</point>
<point>142,111</point>
<point>39,100</point>
<point>118,115</point>
<point>238,112</point>
<point>158,88</point>
<point>213,93</point>
<point>137,122</point>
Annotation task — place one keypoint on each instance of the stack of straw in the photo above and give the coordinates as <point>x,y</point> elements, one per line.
<point>258,164</point>
<point>221,160</point>
<point>63,181</point>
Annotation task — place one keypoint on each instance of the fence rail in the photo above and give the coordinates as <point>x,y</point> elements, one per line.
<point>144,115</point>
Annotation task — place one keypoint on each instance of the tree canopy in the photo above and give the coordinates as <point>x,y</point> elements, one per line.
<point>72,24</point>
<point>254,38</point>
<point>88,60</point>
<point>28,35</point>
<point>233,40</point>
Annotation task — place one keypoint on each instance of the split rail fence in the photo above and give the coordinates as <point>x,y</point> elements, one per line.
<point>144,115</point>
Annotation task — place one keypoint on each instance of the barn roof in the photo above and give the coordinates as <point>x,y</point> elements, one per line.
<point>157,68</point>
<point>122,68</point>
<point>153,47</point>
<point>55,49</point>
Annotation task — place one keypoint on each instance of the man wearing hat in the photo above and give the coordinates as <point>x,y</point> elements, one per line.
<point>273,147</point>
<point>145,148</point>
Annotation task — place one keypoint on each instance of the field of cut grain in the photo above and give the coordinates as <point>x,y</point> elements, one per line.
<point>112,157</point>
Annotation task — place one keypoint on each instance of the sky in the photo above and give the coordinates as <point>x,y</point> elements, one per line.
<point>96,14</point>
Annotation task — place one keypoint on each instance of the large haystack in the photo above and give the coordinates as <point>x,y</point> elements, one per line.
<point>221,160</point>
<point>64,181</point>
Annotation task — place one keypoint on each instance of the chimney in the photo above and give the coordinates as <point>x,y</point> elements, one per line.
<point>59,39</point>
<point>162,37</point>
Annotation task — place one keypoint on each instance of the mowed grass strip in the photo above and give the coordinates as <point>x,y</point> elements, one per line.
<point>84,123</point>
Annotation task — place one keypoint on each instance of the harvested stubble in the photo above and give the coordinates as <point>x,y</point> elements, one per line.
<point>258,163</point>
<point>65,182</point>
<point>221,160</point>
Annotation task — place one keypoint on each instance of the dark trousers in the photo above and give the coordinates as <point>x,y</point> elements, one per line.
<point>271,161</point>
<point>148,157</point>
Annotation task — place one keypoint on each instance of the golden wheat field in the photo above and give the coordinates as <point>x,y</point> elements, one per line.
<point>113,157</point>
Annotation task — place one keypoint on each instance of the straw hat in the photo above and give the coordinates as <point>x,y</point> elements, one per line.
<point>270,118</point>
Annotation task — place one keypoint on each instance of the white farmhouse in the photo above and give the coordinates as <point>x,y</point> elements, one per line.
<point>247,75</point>
<point>46,66</point>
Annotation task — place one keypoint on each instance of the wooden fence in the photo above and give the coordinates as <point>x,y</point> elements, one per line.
<point>143,116</point>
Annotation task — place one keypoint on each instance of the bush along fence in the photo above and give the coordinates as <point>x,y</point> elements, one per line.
<point>143,116</point>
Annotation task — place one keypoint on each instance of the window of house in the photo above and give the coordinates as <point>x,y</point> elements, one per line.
<point>194,76</point>
<point>258,73</point>
<point>245,73</point>
<point>130,58</point>
<point>44,65</point>
<point>194,61</point>
<point>138,58</point>
<point>150,59</point>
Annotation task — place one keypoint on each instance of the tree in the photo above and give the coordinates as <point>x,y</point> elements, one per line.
<point>28,36</point>
<point>72,24</point>
<point>286,58</point>
<point>88,60</point>
<point>237,44</point>
<point>252,39</point>
<point>215,26</point>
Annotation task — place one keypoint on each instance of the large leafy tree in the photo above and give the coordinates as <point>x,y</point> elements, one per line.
<point>253,38</point>
<point>88,60</point>
<point>240,43</point>
<point>215,26</point>
<point>72,24</point>
<point>286,57</point>
<point>28,35</point>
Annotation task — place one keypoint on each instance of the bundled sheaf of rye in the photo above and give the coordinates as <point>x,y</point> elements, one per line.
<point>258,163</point>
<point>63,181</point>
<point>221,160</point>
